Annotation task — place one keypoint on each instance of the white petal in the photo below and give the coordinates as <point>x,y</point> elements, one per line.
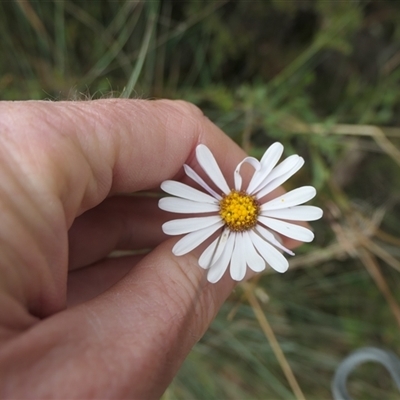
<point>253,259</point>
<point>270,237</point>
<point>191,173</point>
<point>237,177</point>
<point>218,269</point>
<point>210,167</point>
<point>183,206</point>
<point>271,255</point>
<point>179,189</point>
<point>299,213</point>
<point>290,199</point>
<point>281,174</point>
<point>194,239</point>
<point>238,261</point>
<point>207,257</point>
<point>286,165</point>
<point>185,225</point>
<point>268,161</point>
<point>212,253</point>
<point>293,231</point>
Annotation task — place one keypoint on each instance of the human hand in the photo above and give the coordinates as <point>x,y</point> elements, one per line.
<point>66,169</point>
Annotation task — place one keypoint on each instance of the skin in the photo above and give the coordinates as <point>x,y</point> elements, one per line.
<point>75,323</point>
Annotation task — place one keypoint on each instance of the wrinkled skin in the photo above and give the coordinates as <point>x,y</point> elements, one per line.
<point>73,323</point>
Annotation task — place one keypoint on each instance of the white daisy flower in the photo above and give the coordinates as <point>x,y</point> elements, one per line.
<point>247,224</point>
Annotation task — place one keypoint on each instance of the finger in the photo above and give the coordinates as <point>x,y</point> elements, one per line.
<point>87,283</point>
<point>143,327</point>
<point>103,147</point>
<point>79,153</point>
<point>119,223</point>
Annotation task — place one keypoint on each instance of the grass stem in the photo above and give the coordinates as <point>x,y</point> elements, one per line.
<point>269,333</point>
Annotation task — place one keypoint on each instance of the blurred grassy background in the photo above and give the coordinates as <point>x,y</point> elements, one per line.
<point>322,77</point>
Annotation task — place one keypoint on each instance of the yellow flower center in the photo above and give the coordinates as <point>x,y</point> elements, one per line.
<point>239,211</point>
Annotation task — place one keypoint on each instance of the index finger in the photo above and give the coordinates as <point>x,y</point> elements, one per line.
<point>106,146</point>
<point>63,158</point>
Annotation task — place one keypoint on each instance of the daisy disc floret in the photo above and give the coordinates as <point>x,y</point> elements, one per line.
<point>244,226</point>
<point>239,211</point>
